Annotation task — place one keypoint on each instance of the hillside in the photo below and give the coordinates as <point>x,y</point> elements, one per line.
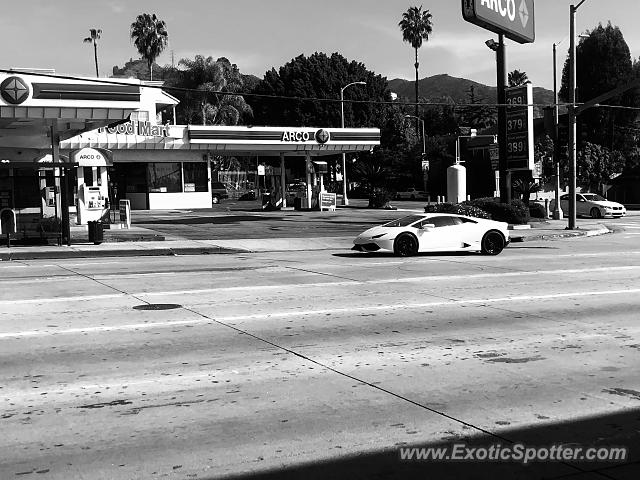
<point>437,87</point>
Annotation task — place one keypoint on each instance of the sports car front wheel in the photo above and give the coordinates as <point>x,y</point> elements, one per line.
<point>405,245</point>
<point>493,243</point>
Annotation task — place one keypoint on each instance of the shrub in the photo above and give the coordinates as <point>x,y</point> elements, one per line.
<point>516,213</point>
<point>379,199</point>
<point>458,209</point>
<point>537,210</point>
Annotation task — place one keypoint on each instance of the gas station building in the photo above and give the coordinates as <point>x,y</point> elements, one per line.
<point>85,144</point>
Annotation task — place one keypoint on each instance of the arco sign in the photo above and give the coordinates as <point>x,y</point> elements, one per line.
<point>513,18</point>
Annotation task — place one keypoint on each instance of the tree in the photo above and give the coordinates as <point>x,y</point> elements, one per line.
<point>603,62</point>
<point>476,114</point>
<point>306,92</point>
<point>149,35</point>
<point>416,27</point>
<point>94,36</point>
<point>517,78</point>
<point>525,188</point>
<point>597,165</point>
<point>211,91</point>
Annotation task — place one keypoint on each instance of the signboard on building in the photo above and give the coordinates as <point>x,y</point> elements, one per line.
<point>520,127</point>
<point>513,18</point>
<point>90,157</point>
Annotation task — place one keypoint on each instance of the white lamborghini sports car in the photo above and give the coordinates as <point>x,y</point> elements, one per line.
<point>435,232</point>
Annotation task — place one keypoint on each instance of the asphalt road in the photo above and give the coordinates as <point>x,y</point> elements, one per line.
<point>319,364</point>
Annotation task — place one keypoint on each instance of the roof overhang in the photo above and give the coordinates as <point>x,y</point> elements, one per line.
<point>30,104</point>
<point>237,140</point>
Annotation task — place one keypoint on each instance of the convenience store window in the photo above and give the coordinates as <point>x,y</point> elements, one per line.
<point>196,177</point>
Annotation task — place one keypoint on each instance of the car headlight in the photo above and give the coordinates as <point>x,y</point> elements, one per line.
<point>378,236</point>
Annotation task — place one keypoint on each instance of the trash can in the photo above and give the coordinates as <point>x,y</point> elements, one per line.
<point>266,200</point>
<point>96,232</point>
<point>297,203</point>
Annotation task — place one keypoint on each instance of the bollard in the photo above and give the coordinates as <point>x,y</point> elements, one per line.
<point>547,213</point>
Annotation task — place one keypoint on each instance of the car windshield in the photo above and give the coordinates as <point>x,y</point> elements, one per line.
<point>404,221</point>
<point>593,197</point>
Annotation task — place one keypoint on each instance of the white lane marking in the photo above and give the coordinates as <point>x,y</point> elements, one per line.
<point>396,280</point>
<point>247,288</point>
<point>63,299</point>
<point>325,311</point>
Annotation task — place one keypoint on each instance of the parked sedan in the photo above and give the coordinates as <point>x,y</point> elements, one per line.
<point>592,205</point>
<point>411,194</point>
<point>434,232</point>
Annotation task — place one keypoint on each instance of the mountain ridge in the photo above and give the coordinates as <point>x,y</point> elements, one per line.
<point>444,86</point>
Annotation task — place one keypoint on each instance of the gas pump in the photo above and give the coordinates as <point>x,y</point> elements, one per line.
<point>92,204</point>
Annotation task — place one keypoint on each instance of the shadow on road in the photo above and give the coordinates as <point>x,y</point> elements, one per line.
<point>620,430</point>
<point>221,220</point>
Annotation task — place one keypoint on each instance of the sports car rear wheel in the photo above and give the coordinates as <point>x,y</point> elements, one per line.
<point>405,245</point>
<point>492,243</point>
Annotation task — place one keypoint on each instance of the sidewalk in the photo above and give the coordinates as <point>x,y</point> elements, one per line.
<point>554,229</point>
<point>125,248</point>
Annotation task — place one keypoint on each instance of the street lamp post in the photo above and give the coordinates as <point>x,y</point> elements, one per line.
<point>424,148</point>
<point>557,210</point>
<point>572,116</point>
<point>501,82</point>
<point>345,200</point>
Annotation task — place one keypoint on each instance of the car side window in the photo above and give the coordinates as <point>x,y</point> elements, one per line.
<point>467,220</point>
<point>440,221</point>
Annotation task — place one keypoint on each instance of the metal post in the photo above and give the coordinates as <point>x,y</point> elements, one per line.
<point>345,200</point>
<point>572,118</point>
<point>501,61</point>
<point>65,233</point>
<point>283,185</point>
<point>557,210</point>
<point>308,166</point>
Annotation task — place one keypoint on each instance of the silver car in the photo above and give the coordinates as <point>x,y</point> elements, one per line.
<point>592,205</point>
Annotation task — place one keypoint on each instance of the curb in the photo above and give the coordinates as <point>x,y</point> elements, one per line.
<point>155,252</point>
<point>552,236</point>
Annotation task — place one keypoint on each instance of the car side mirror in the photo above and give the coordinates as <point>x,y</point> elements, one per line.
<point>428,226</point>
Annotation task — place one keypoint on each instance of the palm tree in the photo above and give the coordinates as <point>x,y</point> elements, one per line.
<point>416,26</point>
<point>94,36</point>
<point>149,35</point>
<point>219,81</point>
<point>517,78</point>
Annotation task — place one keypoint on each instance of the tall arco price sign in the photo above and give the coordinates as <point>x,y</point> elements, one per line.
<point>520,147</point>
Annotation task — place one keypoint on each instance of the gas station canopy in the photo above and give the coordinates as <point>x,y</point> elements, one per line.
<point>32,105</point>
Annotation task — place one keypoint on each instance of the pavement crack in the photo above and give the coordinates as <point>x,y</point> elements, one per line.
<point>340,277</point>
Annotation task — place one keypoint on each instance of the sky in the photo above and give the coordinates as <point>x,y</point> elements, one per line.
<point>258,35</point>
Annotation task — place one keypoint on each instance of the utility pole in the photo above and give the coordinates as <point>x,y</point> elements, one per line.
<point>505,176</point>
<point>572,116</point>
<point>557,210</point>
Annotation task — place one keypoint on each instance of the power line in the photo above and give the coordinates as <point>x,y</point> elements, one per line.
<point>453,105</point>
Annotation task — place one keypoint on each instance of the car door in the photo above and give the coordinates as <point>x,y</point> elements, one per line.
<point>443,235</point>
<point>583,207</point>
